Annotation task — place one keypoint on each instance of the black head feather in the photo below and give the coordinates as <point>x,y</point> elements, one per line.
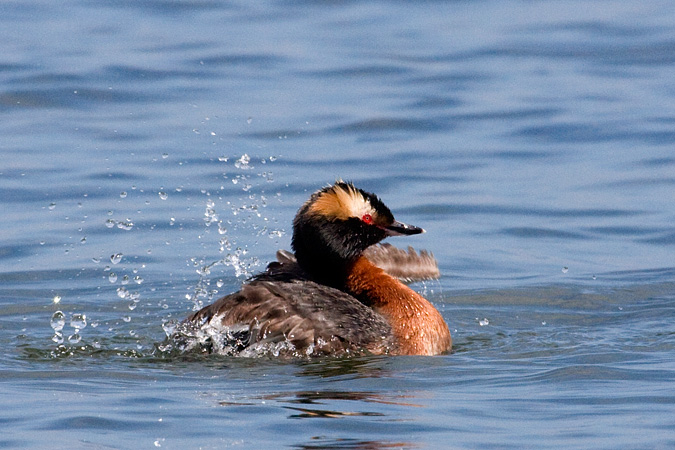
<point>335,226</point>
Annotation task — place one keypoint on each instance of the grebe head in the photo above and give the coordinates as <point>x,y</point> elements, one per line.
<point>337,224</point>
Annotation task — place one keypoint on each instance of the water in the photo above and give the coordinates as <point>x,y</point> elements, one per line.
<point>153,156</point>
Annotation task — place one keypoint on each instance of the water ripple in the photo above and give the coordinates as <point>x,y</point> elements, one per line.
<point>97,423</point>
<point>69,98</point>
<point>454,209</point>
<point>232,61</point>
<point>581,132</point>
<point>651,54</point>
<point>388,124</point>
<point>539,233</point>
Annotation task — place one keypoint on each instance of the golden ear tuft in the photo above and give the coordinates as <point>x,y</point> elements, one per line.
<point>341,201</point>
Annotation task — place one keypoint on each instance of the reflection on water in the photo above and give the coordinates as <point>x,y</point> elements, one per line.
<point>304,413</point>
<point>315,397</point>
<point>344,367</point>
<point>323,443</point>
<point>338,405</point>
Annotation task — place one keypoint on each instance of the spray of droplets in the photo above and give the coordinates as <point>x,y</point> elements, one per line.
<point>77,323</point>
<point>225,217</point>
<point>246,212</point>
<point>123,291</point>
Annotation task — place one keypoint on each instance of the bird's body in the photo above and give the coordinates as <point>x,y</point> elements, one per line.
<point>329,299</point>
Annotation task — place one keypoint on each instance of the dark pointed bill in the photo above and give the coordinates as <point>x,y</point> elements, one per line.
<point>402,229</point>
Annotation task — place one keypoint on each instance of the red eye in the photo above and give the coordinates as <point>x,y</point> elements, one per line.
<point>367,218</point>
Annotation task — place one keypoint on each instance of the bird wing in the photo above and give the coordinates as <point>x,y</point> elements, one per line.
<point>297,318</point>
<point>406,265</point>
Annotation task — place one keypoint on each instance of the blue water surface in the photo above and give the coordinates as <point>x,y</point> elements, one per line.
<point>154,153</point>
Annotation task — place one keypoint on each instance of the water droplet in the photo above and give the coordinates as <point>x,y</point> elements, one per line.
<point>165,155</point>
<point>483,322</point>
<point>56,299</point>
<point>163,195</point>
<point>78,321</point>
<point>138,279</point>
<point>276,234</point>
<point>243,162</point>
<point>122,292</point>
<point>169,327</point>
<point>565,269</point>
<point>127,319</point>
<point>125,279</point>
<point>132,306</point>
<point>220,283</point>
<point>58,321</point>
<point>123,194</point>
<point>52,206</point>
<point>125,225</point>
<point>116,258</point>
<point>110,223</point>
<point>58,337</point>
<point>74,338</point>
<point>594,277</point>
<point>112,277</point>
<point>83,240</point>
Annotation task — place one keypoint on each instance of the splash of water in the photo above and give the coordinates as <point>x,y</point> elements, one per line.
<point>225,217</point>
<point>247,214</point>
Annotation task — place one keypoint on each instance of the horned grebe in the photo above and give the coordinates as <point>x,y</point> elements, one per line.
<point>329,298</point>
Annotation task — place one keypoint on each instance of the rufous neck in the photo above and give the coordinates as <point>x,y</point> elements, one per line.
<point>370,284</point>
<point>418,327</point>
